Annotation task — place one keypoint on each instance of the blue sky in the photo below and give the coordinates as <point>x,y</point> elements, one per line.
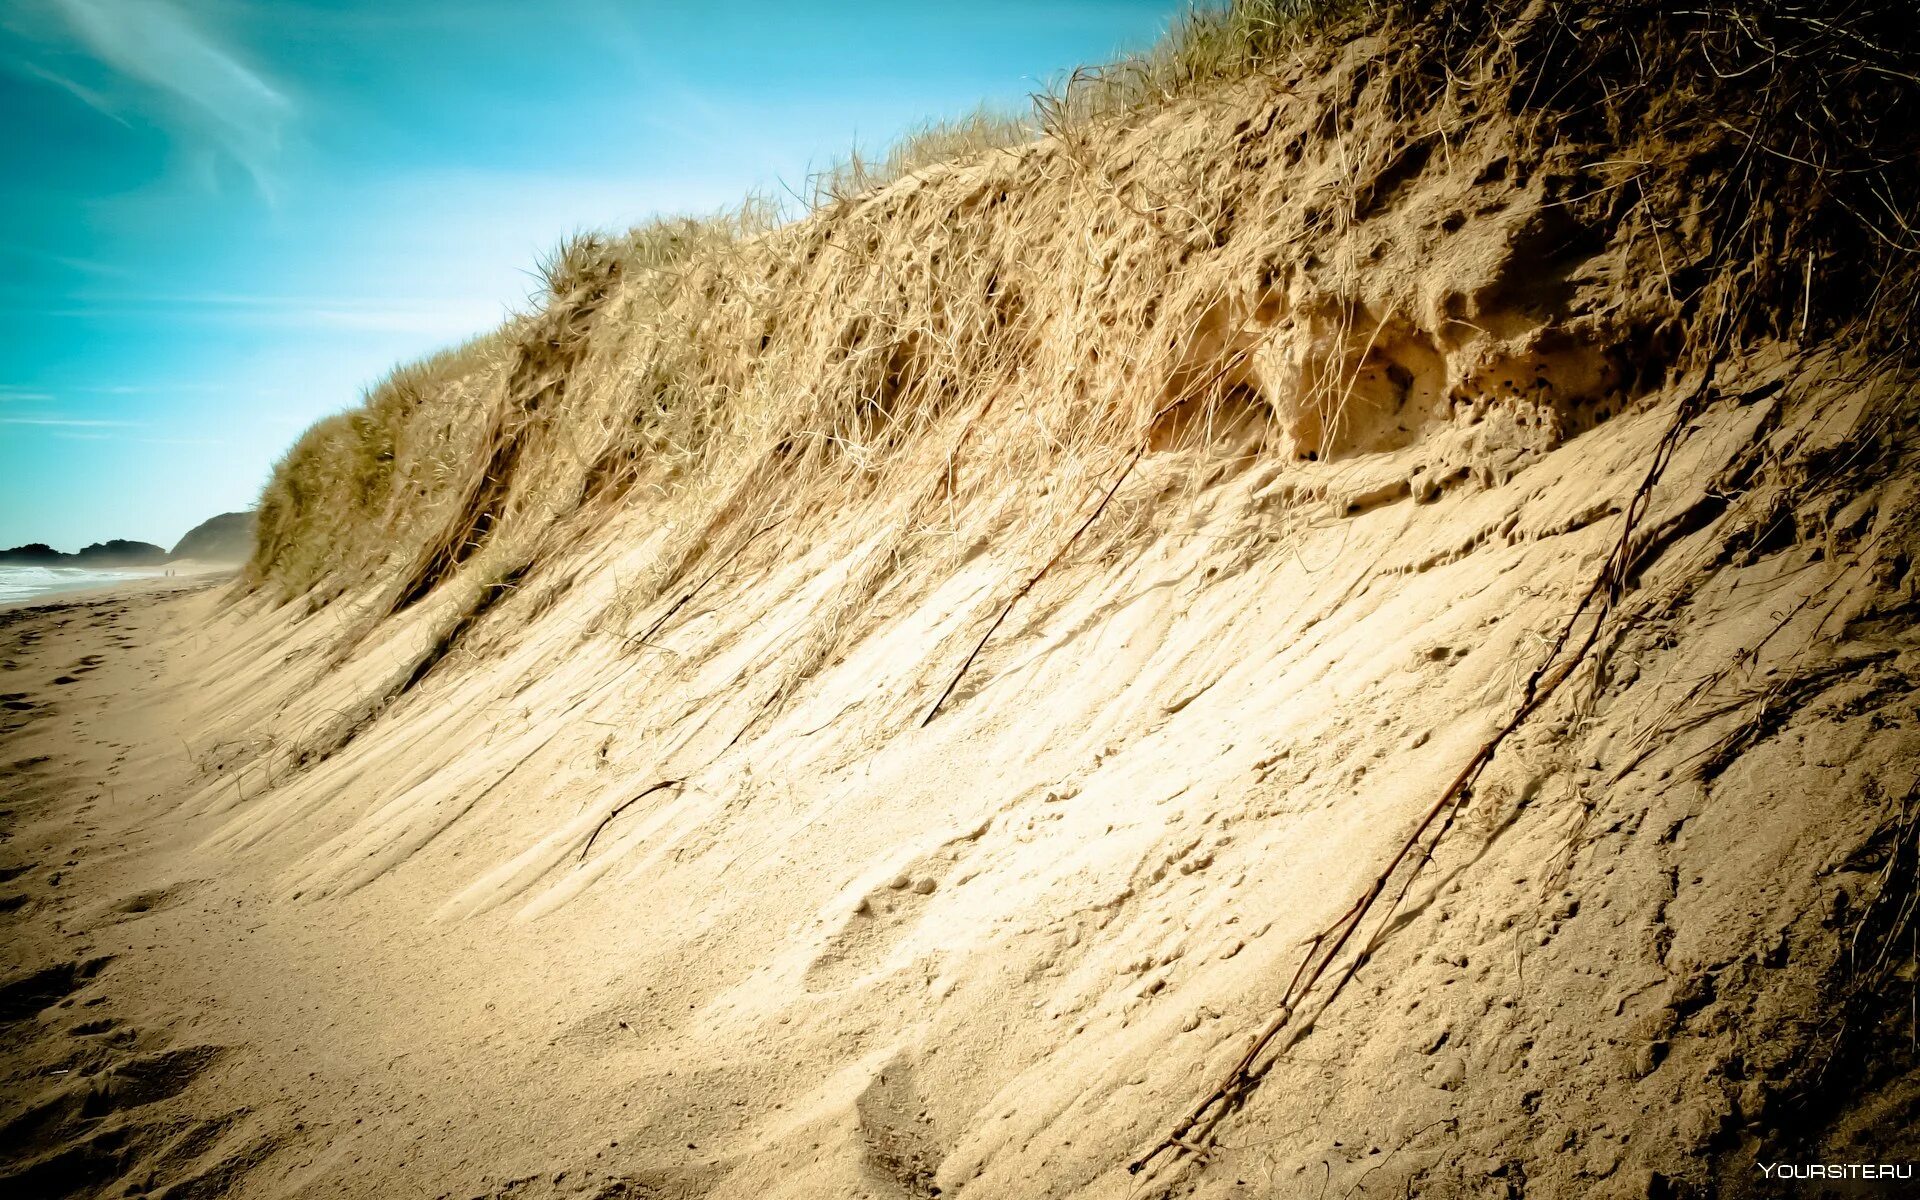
<point>221,219</point>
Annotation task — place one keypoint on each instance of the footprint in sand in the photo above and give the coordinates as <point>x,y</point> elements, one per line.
<point>86,1130</point>
<point>901,1149</point>
<point>152,900</point>
<point>147,1079</point>
<point>26,995</point>
<point>887,914</point>
<point>94,1028</point>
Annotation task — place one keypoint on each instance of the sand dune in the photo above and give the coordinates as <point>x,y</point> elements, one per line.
<point>1341,632</point>
<point>483,951</point>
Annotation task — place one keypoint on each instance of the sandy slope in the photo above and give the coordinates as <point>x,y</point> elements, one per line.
<point>478,950</point>
<point>561,816</point>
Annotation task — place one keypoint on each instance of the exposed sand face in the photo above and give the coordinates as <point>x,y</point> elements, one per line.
<point>478,949</point>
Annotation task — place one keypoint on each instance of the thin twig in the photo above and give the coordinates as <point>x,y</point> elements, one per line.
<point>647,635</point>
<point>622,807</point>
<point>1033,581</point>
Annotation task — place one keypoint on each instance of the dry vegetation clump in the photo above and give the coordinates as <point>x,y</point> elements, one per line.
<point>362,478</point>
<point>1306,231</point>
<point>932,144</point>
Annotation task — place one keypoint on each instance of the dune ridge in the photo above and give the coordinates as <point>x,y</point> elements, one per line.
<point>894,704</point>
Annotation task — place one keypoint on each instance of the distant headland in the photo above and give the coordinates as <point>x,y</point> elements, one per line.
<point>225,538</point>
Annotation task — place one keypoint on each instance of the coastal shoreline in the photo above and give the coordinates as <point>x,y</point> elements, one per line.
<point>108,583</point>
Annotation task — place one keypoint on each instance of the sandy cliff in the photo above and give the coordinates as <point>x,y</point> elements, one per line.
<point>1347,631</point>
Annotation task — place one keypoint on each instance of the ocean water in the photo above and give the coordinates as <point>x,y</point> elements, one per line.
<point>30,583</point>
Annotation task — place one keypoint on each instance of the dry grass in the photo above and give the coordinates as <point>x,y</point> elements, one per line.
<point>1239,225</point>
<point>933,144</point>
<point>361,479</point>
<point>360,484</point>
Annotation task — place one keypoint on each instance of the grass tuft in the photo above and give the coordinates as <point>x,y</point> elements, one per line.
<point>1258,224</point>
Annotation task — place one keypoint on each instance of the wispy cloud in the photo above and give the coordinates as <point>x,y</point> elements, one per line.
<point>212,95</point>
<point>10,394</point>
<point>154,389</point>
<point>85,95</point>
<point>428,316</point>
<point>83,266</point>
<point>67,422</point>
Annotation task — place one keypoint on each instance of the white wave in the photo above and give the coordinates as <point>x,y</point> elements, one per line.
<point>19,583</point>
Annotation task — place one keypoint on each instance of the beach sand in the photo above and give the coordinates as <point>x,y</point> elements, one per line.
<point>113,938</point>
<point>171,1019</point>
